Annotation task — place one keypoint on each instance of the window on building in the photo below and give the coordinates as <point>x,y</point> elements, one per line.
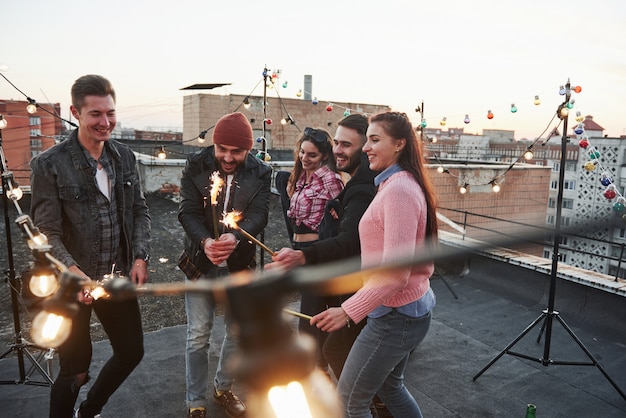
<point>35,132</point>
<point>34,121</point>
<point>568,203</point>
<point>34,153</point>
<point>569,184</point>
<point>551,202</point>
<point>550,219</point>
<point>35,143</point>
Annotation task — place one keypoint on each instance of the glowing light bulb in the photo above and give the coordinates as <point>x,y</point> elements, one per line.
<point>161,154</point>
<point>284,121</point>
<point>50,330</point>
<point>537,101</point>
<point>31,108</point>
<point>564,112</point>
<point>463,188</point>
<point>528,155</point>
<point>246,102</point>
<point>443,121</point>
<point>299,93</point>
<point>329,108</point>
<point>495,187</point>
<point>467,119</point>
<point>513,108</point>
<point>440,169</point>
<point>14,193</point>
<point>3,122</point>
<point>489,114</point>
<point>43,284</point>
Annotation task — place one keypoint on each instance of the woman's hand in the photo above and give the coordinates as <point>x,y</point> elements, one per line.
<point>332,319</point>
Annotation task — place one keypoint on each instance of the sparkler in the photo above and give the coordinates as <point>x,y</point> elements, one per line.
<point>216,186</point>
<point>230,219</point>
<point>298,314</point>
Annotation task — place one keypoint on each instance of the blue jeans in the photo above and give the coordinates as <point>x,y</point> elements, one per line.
<point>376,365</point>
<point>200,310</point>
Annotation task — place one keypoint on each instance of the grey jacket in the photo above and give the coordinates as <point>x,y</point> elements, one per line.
<point>63,204</point>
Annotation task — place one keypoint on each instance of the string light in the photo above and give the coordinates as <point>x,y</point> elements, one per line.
<point>489,114</point>
<point>537,100</point>
<point>246,102</point>
<point>464,188</point>
<point>161,155</point>
<point>513,108</point>
<point>495,187</point>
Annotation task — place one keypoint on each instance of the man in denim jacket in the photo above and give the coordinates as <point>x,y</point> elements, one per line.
<point>246,188</point>
<point>87,199</point>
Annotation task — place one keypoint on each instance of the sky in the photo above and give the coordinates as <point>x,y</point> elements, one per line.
<point>457,57</point>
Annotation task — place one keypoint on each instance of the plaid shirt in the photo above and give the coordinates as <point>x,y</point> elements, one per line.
<point>107,220</point>
<point>308,200</point>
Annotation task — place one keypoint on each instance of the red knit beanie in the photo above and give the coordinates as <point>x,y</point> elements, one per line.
<point>233,130</point>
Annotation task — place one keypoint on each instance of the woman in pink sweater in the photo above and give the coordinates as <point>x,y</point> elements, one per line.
<point>397,304</point>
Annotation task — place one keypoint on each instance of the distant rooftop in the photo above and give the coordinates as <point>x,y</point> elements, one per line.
<point>205,86</point>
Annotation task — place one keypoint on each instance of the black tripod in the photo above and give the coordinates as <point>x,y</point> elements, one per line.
<point>549,314</point>
<point>20,347</point>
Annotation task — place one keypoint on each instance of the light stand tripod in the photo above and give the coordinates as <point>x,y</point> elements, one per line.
<point>549,314</point>
<point>21,346</point>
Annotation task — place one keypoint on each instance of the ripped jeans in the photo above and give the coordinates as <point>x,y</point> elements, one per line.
<point>122,323</point>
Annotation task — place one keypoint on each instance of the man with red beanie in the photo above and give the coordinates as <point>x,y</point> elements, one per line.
<point>246,188</point>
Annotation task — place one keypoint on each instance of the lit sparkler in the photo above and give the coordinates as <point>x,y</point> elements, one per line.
<point>216,186</point>
<point>230,219</point>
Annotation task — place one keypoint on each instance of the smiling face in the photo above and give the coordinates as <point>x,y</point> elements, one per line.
<point>96,120</point>
<point>229,157</point>
<point>382,150</point>
<point>347,149</point>
<point>310,156</point>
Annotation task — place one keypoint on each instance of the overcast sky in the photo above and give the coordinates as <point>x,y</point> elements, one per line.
<point>459,57</point>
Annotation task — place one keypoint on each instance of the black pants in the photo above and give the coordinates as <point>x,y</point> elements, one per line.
<point>122,323</point>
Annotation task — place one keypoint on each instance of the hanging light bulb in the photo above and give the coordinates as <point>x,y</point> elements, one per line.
<point>267,121</point>
<point>161,155</point>
<point>3,122</point>
<point>43,282</point>
<point>528,155</point>
<point>463,188</point>
<point>299,93</point>
<point>443,121</point>
<point>577,89</point>
<point>285,85</point>
<point>537,100</point>
<point>579,129</point>
<point>467,119</point>
<point>605,179</point>
<point>513,108</point>
<point>579,116</point>
<point>489,114</point>
<point>589,166</point>
<point>563,112</point>
<point>14,192</point>
<point>346,112</point>
<point>50,329</point>
<point>329,108</point>
<point>562,90</point>
<point>570,104</point>
<point>495,187</point>
<point>433,139</point>
<point>423,123</point>
<point>610,192</point>
<point>246,102</point>
<point>583,143</point>
<point>620,205</point>
<point>594,154</point>
<point>201,137</point>
<point>31,108</point>
<point>440,169</point>
<point>315,101</point>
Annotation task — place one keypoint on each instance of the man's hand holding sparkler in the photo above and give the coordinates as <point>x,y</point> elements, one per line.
<point>218,251</point>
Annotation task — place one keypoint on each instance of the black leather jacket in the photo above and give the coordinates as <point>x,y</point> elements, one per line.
<point>63,204</point>
<point>251,196</point>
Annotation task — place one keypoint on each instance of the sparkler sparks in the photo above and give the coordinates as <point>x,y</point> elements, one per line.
<point>230,219</point>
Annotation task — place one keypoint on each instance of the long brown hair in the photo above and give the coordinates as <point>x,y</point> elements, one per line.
<point>398,126</point>
<point>323,142</point>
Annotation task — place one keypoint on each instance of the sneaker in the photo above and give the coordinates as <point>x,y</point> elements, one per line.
<point>77,414</point>
<point>233,406</point>
<point>197,413</point>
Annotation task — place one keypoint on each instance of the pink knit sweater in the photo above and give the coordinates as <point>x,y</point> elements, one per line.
<point>394,226</point>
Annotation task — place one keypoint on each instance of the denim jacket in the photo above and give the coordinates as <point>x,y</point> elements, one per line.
<point>63,204</point>
<point>252,183</point>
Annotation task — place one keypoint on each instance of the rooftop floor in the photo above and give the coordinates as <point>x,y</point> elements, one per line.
<point>465,336</point>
